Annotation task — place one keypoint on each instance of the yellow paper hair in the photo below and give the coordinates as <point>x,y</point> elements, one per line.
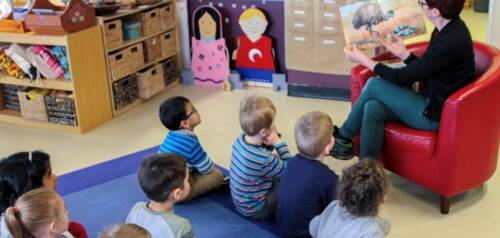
<point>252,12</point>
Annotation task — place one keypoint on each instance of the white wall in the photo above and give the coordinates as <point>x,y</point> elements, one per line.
<point>494,23</point>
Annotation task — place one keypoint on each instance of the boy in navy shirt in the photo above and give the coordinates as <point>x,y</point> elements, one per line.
<point>307,185</point>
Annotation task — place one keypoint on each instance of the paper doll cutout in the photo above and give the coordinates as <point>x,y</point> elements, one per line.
<point>209,62</point>
<point>255,55</point>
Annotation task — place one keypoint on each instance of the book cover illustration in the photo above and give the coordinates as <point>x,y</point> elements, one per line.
<point>364,20</point>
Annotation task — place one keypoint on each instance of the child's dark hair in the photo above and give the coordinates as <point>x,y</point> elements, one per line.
<point>21,173</point>
<point>160,174</point>
<point>173,111</point>
<point>214,14</point>
<point>362,188</point>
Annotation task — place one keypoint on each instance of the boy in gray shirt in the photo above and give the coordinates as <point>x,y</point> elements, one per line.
<point>164,178</point>
<point>362,189</point>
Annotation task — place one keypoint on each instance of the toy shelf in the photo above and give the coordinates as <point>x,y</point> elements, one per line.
<point>32,38</point>
<point>14,117</point>
<point>131,42</point>
<point>89,82</point>
<point>123,16</point>
<point>129,12</point>
<point>57,84</point>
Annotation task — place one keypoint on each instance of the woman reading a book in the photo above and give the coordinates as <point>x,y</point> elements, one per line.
<point>445,67</point>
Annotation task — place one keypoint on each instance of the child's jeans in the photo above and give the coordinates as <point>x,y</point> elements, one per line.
<point>201,184</point>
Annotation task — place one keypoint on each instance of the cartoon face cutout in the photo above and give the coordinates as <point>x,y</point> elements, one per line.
<point>207,26</point>
<point>254,26</point>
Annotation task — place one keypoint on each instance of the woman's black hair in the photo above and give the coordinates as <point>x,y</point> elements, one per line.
<point>21,173</point>
<point>214,14</point>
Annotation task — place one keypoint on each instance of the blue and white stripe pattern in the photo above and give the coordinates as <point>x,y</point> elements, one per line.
<point>252,171</point>
<point>186,144</point>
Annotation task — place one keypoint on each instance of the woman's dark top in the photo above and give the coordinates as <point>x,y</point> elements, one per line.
<point>446,66</point>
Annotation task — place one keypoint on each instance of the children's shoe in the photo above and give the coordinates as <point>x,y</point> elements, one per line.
<point>224,186</point>
<point>225,180</point>
<point>343,148</point>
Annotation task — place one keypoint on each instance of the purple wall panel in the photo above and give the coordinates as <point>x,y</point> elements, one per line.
<point>231,10</point>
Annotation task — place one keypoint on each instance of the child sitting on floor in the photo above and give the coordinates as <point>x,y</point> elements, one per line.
<point>125,231</point>
<point>362,189</point>
<point>21,173</point>
<point>307,185</point>
<point>39,213</point>
<point>164,180</point>
<point>254,170</point>
<point>180,116</point>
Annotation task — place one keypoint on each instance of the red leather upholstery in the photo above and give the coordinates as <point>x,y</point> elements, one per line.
<point>463,154</point>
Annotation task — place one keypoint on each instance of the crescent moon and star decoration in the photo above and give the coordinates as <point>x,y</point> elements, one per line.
<point>254,55</point>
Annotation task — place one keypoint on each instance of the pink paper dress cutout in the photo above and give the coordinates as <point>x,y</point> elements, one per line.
<point>209,62</point>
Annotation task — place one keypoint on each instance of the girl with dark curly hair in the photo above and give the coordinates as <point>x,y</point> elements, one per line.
<point>362,189</point>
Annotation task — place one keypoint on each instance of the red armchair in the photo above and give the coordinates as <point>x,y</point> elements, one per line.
<point>463,154</point>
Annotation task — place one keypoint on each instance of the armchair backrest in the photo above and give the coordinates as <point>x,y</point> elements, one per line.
<point>484,56</point>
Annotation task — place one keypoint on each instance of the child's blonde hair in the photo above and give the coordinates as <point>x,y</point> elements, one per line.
<point>256,113</point>
<point>313,132</point>
<point>31,212</point>
<point>125,231</point>
<point>252,12</point>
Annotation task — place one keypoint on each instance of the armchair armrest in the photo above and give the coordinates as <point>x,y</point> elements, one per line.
<point>359,75</point>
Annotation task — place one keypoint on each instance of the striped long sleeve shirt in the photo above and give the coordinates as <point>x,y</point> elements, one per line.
<point>252,171</point>
<point>186,144</point>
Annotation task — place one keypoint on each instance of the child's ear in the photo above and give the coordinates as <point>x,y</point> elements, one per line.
<point>263,132</point>
<point>185,124</point>
<point>329,147</point>
<point>176,194</point>
<point>53,227</point>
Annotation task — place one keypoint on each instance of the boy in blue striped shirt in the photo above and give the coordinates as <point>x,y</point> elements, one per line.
<point>180,116</point>
<point>254,171</point>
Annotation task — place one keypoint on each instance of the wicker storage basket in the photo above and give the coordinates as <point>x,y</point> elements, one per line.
<point>150,81</point>
<point>32,104</point>
<point>61,108</point>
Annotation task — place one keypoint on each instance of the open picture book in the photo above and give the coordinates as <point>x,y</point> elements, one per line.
<point>364,20</point>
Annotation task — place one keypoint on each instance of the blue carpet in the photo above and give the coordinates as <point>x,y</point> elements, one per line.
<point>103,194</point>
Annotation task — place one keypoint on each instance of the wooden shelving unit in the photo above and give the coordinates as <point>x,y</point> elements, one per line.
<point>146,65</point>
<point>44,83</point>
<point>127,14</point>
<point>88,83</point>
<point>131,42</point>
<point>32,39</point>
